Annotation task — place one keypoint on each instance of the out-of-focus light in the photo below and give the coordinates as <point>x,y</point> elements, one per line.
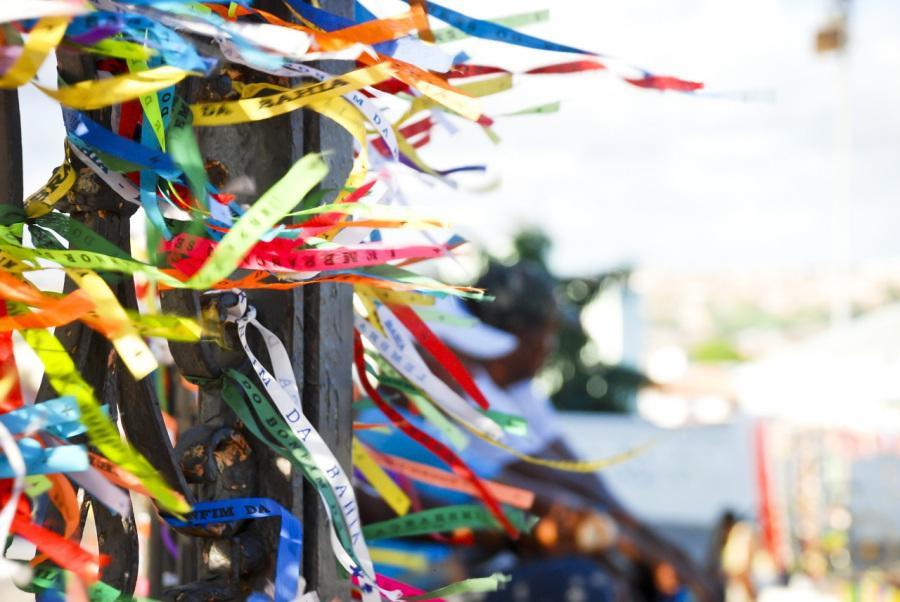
<point>840,519</point>
<point>667,364</point>
<point>604,321</point>
<point>668,411</point>
<point>597,386</point>
<point>711,410</point>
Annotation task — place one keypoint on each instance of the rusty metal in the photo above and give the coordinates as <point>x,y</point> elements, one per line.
<point>215,458</point>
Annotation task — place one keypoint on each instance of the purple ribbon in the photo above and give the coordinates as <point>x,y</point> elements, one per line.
<point>101,32</point>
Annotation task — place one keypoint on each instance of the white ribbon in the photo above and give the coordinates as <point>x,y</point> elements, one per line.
<point>92,481</point>
<point>283,390</point>
<point>35,9</point>
<point>124,187</point>
<point>399,350</point>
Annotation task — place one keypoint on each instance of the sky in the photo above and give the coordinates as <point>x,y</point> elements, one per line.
<point>628,176</point>
<point>623,175</point>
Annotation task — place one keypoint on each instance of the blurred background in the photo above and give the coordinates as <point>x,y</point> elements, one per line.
<point>729,266</point>
<point>728,262</point>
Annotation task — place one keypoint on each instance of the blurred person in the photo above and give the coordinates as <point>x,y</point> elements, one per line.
<point>732,557</point>
<point>586,542</point>
<point>525,307</point>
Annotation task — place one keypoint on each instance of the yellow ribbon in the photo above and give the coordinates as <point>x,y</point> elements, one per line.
<point>102,434</point>
<point>60,182</point>
<point>377,478</point>
<point>130,346</point>
<point>96,94</point>
<point>582,466</point>
<point>485,87</point>
<point>44,37</point>
<point>265,107</point>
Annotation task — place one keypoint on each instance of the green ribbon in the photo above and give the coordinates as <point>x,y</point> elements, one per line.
<point>268,426</point>
<point>267,211</point>
<point>79,236</point>
<point>47,577</point>
<point>11,214</point>
<point>182,145</point>
<point>447,518</point>
<point>515,425</point>
<point>477,585</point>
<point>550,107</point>
<point>451,34</point>
<point>390,378</point>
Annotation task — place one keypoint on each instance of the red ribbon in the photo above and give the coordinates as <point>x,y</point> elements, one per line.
<point>444,453</point>
<point>63,552</point>
<point>568,67</point>
<point>443,354</point>
<point>466,70</point>
<point>665,82</point>
<point>329,219</point>
<point>408,131</point>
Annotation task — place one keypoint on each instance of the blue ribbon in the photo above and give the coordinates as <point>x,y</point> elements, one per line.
<point>173,48</point>
<point>52,413</point>
<point>321,18</point>
<point>95,135</point>
<point>40,460</point>
<point>332,22</point>
<point>290,540</point>
<point>70,429</point>
<point>60,417</point>
<point>148,179</point>
<point>252,53</point>
<point>479,28</point>
<point>362,13</point>
<point>405,160</point>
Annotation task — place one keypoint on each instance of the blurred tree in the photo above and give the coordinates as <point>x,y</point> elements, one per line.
<point>577,379</point>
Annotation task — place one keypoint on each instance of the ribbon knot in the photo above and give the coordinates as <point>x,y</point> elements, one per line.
<point>235,306</point>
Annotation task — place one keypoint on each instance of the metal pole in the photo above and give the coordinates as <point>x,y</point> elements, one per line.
<point>10,148</point>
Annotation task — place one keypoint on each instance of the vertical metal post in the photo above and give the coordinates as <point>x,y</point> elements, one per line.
<point>314,322</point>
<point>328,323</point>
<point>10,149</point>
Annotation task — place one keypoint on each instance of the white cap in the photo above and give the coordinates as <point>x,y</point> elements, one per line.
<point>473,337</point>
